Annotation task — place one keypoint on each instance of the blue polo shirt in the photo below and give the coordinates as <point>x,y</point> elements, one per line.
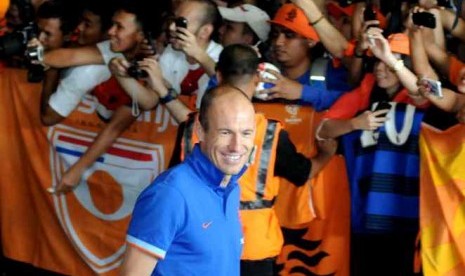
<point>188,221</point>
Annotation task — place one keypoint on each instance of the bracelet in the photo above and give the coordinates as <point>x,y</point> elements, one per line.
<point>316,21</point>
<point>397,66</point>
<point>172,95</point>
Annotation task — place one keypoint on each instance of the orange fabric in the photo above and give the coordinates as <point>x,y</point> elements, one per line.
<point>350,50</point>
<point>292,17</point>
<point>442,201</point>
<point>313,210</point>
<point>4,4</point>
<point>335,10</point>
<point>262,234</point>
<point>63,233</point>
<point>455,70</point>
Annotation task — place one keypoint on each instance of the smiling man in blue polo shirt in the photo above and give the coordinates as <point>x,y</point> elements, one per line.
<point>187,221</point>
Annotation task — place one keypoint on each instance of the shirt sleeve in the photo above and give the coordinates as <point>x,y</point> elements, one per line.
<point>157,218</point>
<point>319,96</point>
<point>107,53</point>
<point>290,164</point>
<point>75,85</point>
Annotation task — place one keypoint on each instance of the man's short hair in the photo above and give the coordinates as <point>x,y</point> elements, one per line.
<point>237,61</point>
<point>208,99</point>
<point>66,13</point>
<point>210,13</point>
<point>103,9</point>
<point>148,20</point>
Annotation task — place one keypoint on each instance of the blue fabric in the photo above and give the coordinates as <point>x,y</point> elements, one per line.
<point>322,94</point>
<point>212,82</point>
<point>384,180</point>
<point>186,215</point>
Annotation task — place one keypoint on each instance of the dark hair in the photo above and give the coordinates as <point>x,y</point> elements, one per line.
<point>103,9</point>
<point>211,15</point>
<point>208,99</point>
<point>237,61</point>
<point>68,14</point>
<point>150,20</point>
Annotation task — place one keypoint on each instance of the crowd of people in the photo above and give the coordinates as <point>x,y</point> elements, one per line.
<point>375,71</point>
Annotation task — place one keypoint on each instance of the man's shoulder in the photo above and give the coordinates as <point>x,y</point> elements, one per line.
<point>176,177</point>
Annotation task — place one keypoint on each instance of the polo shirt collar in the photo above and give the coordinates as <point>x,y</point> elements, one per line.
<point>208,171</point>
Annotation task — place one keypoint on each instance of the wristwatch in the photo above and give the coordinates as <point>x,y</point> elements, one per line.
<point>172,95</point>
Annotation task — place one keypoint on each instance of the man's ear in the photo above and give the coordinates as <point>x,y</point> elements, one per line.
<point>199,131</point>
<point>219,77</point>
<point>205,32</point>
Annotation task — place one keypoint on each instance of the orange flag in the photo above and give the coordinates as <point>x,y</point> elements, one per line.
<point>442,201</point>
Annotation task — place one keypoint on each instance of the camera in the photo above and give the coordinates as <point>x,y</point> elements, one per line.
<point>35,54</point>
<point>425,19</point>
<point>136,72</point>
<point>15,43</point>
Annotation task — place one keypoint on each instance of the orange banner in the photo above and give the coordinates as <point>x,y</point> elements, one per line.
<point>442,201</point>
<point>82,233</point>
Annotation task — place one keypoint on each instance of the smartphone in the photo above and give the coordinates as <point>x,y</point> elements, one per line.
<point>180,22</point>
<point>425,19</point>
<point>435,87</point>
<point>382,106</point>
<point>370,14</point>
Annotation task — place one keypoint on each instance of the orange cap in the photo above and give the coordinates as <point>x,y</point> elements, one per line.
<point>399,43</point>
<point>4,4</point>
<point>292,17</point>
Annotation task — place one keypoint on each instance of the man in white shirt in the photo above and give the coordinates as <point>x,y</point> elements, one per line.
<point>190,58</point>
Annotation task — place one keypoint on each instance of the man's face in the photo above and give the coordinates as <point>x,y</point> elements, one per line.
<point>289,48</point>
<point>229,139</point>
<point>90,29</point>
<point>50,34</point>
<point>192,11</point>
<point>125,34</point>
<point>233,33</point>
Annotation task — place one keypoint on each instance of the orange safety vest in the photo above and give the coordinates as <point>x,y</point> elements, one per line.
<point>259,188</point>
<point>294,205</point>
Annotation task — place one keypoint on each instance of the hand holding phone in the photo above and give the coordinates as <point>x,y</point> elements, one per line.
<point>434,87</point>
<point>382,106</point>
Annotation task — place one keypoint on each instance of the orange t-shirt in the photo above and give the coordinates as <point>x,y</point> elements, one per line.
<point>455,66</point>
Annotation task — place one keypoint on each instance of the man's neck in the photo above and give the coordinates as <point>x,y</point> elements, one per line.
<point>295,71</point>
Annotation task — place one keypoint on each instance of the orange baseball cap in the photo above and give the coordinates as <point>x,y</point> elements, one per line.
<point>293,18</point>
<point>399,43</point>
